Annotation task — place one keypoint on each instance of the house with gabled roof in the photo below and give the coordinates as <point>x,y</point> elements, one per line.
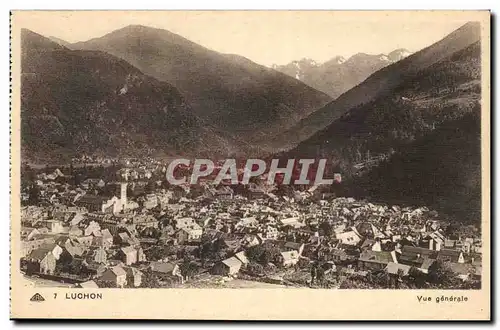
<point>76,219</point>
<point>122,238</point>
<point>289,258</point>
<point>41,261</point>
<point>35,243</point>
<point>93,228</point>
<point>85,240</point>
<point>54,248</point>
<point>98,255</point>
<point>409,252</point>
<point>128,255</point>
<point>134,276</point>
<point>94,268</point>
<point>88,285</point>
<point>27,233</point>
<point>183,222</point>
<point>242,257</point>
<point>228,267</point>
<point>74,231</point>
<point>448,255</point>
<point>375,260</point>
<point>166,270</point>
<point>102,242</point>
<point>293,222</point>
<point>432,241</point>
<point>250,222</point>
<point>251,240</point>
<point>449,244</point>
<point>294,246</point>
<point>75,249</point>
<point>114,276</point>
<point>189,234</point>
<point>349,238</point>
<point>421,258</point>
<point>427,265</point>
<point>107,236</point>
<point>103,204</point>
<point>72,251</point>
<point>397,269</point>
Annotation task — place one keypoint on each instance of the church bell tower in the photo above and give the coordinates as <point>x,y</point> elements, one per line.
<point>123,194</point>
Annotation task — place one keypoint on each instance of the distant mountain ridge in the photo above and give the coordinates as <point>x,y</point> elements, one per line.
<point>381,83</point>
<point>228,92</point>
<point>60,41</point>
<point>337,75</point>
<point>447,90</point>
<point>415,137</point>
<point>75,102</point>
<point>398,54</point>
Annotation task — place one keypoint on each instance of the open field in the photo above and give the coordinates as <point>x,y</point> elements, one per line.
<point>45,283</point>
<point>236,284</point>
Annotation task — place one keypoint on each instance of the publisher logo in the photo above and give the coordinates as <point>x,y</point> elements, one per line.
<point>37,298</point>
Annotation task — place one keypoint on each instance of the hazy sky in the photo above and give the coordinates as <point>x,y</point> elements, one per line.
<point>265,37</point>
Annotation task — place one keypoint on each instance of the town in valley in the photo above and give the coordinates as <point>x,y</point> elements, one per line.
<point>383,132</point>
<point>121,224</point>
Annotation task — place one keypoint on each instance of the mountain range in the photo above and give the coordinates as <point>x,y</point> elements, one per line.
<point>75,102</point>
<point>226,101</point>
<point>338,75</point>
<point>380,84</point>
<point>411,131</point>
<point>229,92</point>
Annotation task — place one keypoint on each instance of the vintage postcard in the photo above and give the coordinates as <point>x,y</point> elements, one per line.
<point>250,165</point>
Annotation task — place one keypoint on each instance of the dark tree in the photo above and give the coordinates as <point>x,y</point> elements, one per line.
<point>189,269</point>
<point>326,228</point>
<point>149,280</point>
<point>255,268</point>
<point>34,195</point>
<point>150,187</point>
<point>264,253</point>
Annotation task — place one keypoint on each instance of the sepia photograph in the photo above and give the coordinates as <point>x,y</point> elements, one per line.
<point>302,152</point>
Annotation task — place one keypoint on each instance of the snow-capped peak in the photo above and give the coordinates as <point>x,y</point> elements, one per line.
<point>339,59</point>
<point>384,58</point>
<point>301,67</point>
<point>399,54</point>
